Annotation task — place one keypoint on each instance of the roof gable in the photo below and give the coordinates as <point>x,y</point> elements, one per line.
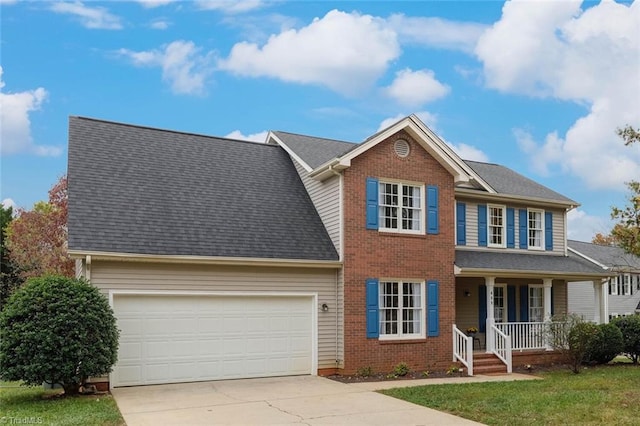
<point>149,191</point>
<point>612,257</point>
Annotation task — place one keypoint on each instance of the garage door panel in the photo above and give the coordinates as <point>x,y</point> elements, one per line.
<point>169,339</point>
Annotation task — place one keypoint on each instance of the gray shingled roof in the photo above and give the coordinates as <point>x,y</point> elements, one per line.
<point>508,182</point>
<point>314,151</point>
<point>570,265</point>
<point>149,191</point>
<point>611,256</point>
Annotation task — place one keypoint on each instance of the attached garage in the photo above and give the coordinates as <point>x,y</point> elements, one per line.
<point>168,337</point>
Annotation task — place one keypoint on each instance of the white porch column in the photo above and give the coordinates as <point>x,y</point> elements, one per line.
<point>490,283</point>
<point>604,302</point>
<point>546,284</point>
<point>597,301</point>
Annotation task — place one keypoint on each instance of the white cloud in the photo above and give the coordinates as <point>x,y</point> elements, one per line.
<point>8,2</point>
<point>149,4</point>
<point>346,52</point>
<point>90,17</point>
<point>15,125</point>
<point>183,65</point>
<point>583,227</point>
<point>8,202</point>
<point>590,57</point>
<point>437,32</point>
<point>255,137</point>
<point>468,152</point>
<point>425,116</point>
<point>415,88</point>
<point>230,6</point>
<point>160,24</point>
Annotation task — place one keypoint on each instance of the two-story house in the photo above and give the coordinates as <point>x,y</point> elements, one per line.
<point>231,259</point>
<point>623,287</point>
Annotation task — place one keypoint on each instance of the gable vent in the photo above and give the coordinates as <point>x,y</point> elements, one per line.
<point>401,148</point>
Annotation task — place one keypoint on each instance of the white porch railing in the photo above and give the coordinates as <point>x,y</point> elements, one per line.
<point>501,346</point>
<point>463,349</point>
<point>525,335</point>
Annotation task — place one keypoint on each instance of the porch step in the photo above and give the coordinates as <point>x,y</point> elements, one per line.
<point>484,363</point>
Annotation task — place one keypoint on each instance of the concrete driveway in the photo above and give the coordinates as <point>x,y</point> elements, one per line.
<point>306,400</point>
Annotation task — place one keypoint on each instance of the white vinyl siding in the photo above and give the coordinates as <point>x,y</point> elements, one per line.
<point>107,275</point>
<point>326,199</point>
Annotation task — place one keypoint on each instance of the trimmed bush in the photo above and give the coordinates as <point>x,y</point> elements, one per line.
<point>630,328</point>
<point>58,330</point>
<point>605,346</point>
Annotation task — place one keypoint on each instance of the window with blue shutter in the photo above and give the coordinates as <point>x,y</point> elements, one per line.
<point>511,225</point>
<point>461,224</point>
<point>523,225</point>
<point>432,210</point>
<point>372,308</point>
<point>433,316</point>
<point>548,231</point>
<point>482,308</point>
<point>482,225</point>
<point>524,303</point>
<point>372,203</point>
<point>511,303</point>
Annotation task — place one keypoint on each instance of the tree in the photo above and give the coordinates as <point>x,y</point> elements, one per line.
<point>58,330</point>
<point>627,231</point>
<point>8,272</point>
<point>629,135</point>
<point>571,337</point>
<point>630,328</point>
<point>603,240</point>
<point>37,239</point>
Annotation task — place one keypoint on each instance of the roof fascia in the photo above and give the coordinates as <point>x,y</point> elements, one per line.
<point>522,273</point>
<point>207,260</point>
<point>295,156</point>
<point>584,256</point>
<point>473,193</point>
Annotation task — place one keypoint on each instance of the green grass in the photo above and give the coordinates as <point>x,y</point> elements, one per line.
<point>33,405</point>
<point>596,396</point>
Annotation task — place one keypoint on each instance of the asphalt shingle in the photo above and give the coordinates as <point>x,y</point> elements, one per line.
<point>149,191</point>
<point>611,256</point>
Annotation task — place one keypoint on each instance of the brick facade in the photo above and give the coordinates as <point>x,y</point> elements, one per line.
<point>373,254</point>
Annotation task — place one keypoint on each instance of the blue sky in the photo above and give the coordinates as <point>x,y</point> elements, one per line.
<point>537,86</point>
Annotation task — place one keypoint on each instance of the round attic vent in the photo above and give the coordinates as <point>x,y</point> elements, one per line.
<point>401,148</point>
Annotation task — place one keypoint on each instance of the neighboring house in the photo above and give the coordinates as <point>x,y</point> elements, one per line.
<point>231,259</point>
<point>623,288</point>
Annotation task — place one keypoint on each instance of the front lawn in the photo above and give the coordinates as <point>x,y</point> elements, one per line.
<point>33,405</point>
<point>598,395</point>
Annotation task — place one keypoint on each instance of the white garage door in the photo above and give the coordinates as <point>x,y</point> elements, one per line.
<point>172,339</point>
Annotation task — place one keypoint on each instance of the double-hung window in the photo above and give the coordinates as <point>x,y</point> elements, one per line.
<point>626,284</point>
<point>613,285</point>
<point>500,303</point>
<point>402,312</point>
<point>536,303</point>
<point>401,207</point>
<point>536,229</point>
<point>496,225</point>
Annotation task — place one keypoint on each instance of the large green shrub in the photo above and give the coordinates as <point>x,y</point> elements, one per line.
<point>605,345</point>
<point>630,328</point>
<point>59,330</point>
<point>570,336</point>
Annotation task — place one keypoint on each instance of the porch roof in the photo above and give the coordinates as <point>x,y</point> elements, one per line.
<point>492,263</point>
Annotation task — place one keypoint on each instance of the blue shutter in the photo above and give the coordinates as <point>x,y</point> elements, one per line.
<point>433,316</point>
<point>432,210</point>
<point>372,308</point>
<point>524,226</point>
<point>461,224</point>
<point>548,230</point>
<point>482,308</point>
<point>482,225</point>
<point>372,203</point>
<point>524,303</point>
<point>511,303</point>
<point>511,228</point>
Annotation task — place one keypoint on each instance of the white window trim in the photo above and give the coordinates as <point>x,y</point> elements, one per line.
<point>423,206</point>
<point>530,286</point>
<point>504,225</point>
<point>505,301</point>
<point>626,284</point>
<point>613,285</point>
<point>542,242</point>
<point>423,317</point>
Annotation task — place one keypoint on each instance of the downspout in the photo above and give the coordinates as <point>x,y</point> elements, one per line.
<point>338,271</point>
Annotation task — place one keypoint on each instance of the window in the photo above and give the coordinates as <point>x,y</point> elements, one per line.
<point>400,207</point>
<point>626,284</point>
<point>499,303</point>
<point>536,303</point>
<point>613,286</point>
<point>536,229</point>
<point>401,309</point>
<point>496,226</point>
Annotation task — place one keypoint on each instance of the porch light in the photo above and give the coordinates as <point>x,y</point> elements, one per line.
<point>325,307</point>
<point>467,293</point>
